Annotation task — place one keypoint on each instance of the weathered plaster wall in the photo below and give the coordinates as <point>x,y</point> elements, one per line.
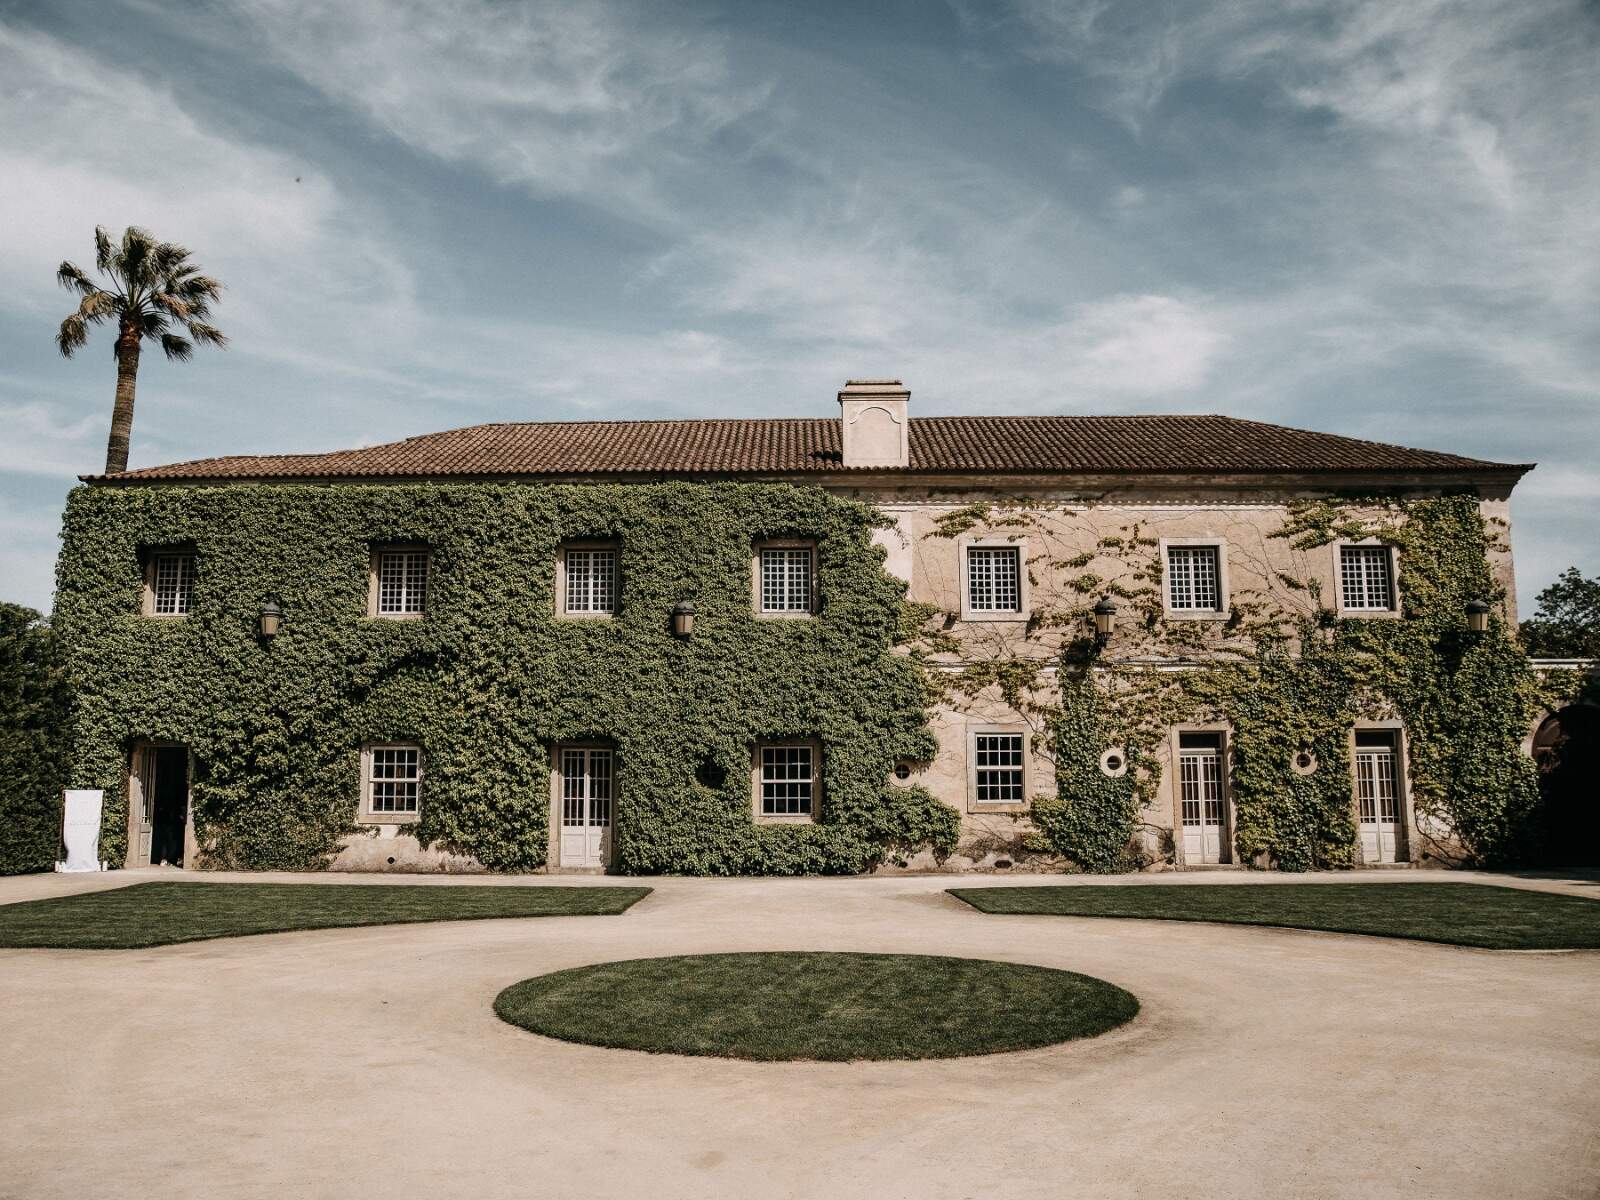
<point>1066,538</point>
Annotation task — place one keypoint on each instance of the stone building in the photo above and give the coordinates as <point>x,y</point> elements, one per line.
<point>1209,536</point>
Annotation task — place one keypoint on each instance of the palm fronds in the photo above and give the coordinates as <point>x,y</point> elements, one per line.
<point>152,286</point>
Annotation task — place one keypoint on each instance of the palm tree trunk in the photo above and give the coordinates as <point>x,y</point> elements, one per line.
<point>122,411</point>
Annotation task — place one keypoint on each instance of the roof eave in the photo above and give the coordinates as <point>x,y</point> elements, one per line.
<point>1503,474</point>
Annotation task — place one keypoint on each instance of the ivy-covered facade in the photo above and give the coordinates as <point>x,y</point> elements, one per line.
<point>803,647</point>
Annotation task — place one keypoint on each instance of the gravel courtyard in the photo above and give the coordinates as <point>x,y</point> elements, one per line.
<point>366,1062</point>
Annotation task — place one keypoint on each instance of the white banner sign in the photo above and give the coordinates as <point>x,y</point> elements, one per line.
<point>80,829</point>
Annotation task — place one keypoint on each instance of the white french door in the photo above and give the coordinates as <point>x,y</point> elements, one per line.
<point>587,778</point>
<point>1200,784</point>
<point>1378,801</point>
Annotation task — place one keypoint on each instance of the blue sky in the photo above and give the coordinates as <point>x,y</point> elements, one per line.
<point>1373,218</point>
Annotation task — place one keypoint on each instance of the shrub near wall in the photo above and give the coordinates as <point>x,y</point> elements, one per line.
<point>32,742</point>
<point>490,678</point>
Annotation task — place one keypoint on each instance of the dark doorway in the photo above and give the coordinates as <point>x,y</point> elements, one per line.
<point>169,808</point>
<point>1567,751</point>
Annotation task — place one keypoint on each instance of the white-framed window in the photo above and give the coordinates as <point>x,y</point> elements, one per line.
<point>589,581</point>
<point>994,579</point>
<point>1366,578</point>
<point>785,579</point>
<point>1377,766</point>
<point>1194,579</point>
<point>392,782</point>
<point>169,583</point>
<point>786,781</point>
<point>999,767</point>
<point>399,581</point>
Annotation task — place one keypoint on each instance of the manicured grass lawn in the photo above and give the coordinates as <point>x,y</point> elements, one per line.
<point>1460,914</point>
<point>156,914</point>
<point>822,1006</point>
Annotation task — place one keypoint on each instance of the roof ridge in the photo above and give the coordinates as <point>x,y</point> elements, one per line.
<point>1049,443</point>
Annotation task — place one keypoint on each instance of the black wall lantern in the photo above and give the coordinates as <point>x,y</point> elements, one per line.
<point>1105,620</point>
<point>1478,615</point>
<point>271,615</point>
<point>682,619</point>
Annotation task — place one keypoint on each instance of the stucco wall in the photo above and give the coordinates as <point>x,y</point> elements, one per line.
<point>1065,538</point>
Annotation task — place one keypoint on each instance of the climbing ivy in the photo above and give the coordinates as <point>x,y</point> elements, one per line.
<point>1092,816</point>
<point>490,678</point>
<point>1287,675</point>
<point>33,707</point>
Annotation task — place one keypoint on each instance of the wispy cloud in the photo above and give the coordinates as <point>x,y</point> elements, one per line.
<point>563,97</point>
<point>1352,214</point>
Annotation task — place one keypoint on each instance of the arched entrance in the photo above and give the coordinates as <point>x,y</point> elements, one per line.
<point>1566,748</point>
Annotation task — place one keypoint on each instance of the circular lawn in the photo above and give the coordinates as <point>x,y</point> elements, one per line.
<point>819,1006</point>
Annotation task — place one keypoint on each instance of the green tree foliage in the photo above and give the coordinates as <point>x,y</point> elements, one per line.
<point>490,678</point>
<point>33,742</point>
<point>1567,621</point>
<point>154,290</point>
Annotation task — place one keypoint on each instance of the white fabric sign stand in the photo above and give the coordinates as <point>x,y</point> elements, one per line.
<point>80,830</point>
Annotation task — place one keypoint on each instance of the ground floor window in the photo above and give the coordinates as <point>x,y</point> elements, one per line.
<point>786,781</point>
<point>999,770</point>
<point>393,784</point>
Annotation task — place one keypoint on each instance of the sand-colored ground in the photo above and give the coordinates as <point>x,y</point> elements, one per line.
<point>367,1062</point>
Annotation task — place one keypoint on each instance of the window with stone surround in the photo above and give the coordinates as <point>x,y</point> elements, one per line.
<point>999,770</point>
<point>1366,578</point>
<point>391,783</point>
<point>1194,579</point>
<point>588,584</point>
<point>169,583</point>
<point>399,584</point>
<point>994,579</point>
<point>785,579</point>
<point>787,781</point>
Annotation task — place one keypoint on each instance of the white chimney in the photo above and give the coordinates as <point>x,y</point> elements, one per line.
<point>873,415</point>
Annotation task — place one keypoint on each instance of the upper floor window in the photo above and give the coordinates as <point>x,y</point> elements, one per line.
<point>392,783</point>
<point>1194,579</point>
<point>399,581</point>
<point>998,770</point>
<point>994,579</point>
<point>786,782</point>
<point>1366,578</point>
<point>169,583</point>
<point>785,579</point>
<point>589,581</point>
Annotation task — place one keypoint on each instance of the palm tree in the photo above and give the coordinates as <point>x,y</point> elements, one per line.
<point>153,285</point>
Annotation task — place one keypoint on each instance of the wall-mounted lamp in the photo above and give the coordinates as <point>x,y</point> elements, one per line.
<point>1105,620</point>
<point>682,619</point>
<point>1477,615</point>
<point>271,614</point>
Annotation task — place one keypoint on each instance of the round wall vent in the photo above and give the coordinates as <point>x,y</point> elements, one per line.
<point>1114,762</point>
<point>1304,762</point>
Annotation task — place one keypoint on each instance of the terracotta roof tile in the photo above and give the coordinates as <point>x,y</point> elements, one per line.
<point>1066,444</point>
